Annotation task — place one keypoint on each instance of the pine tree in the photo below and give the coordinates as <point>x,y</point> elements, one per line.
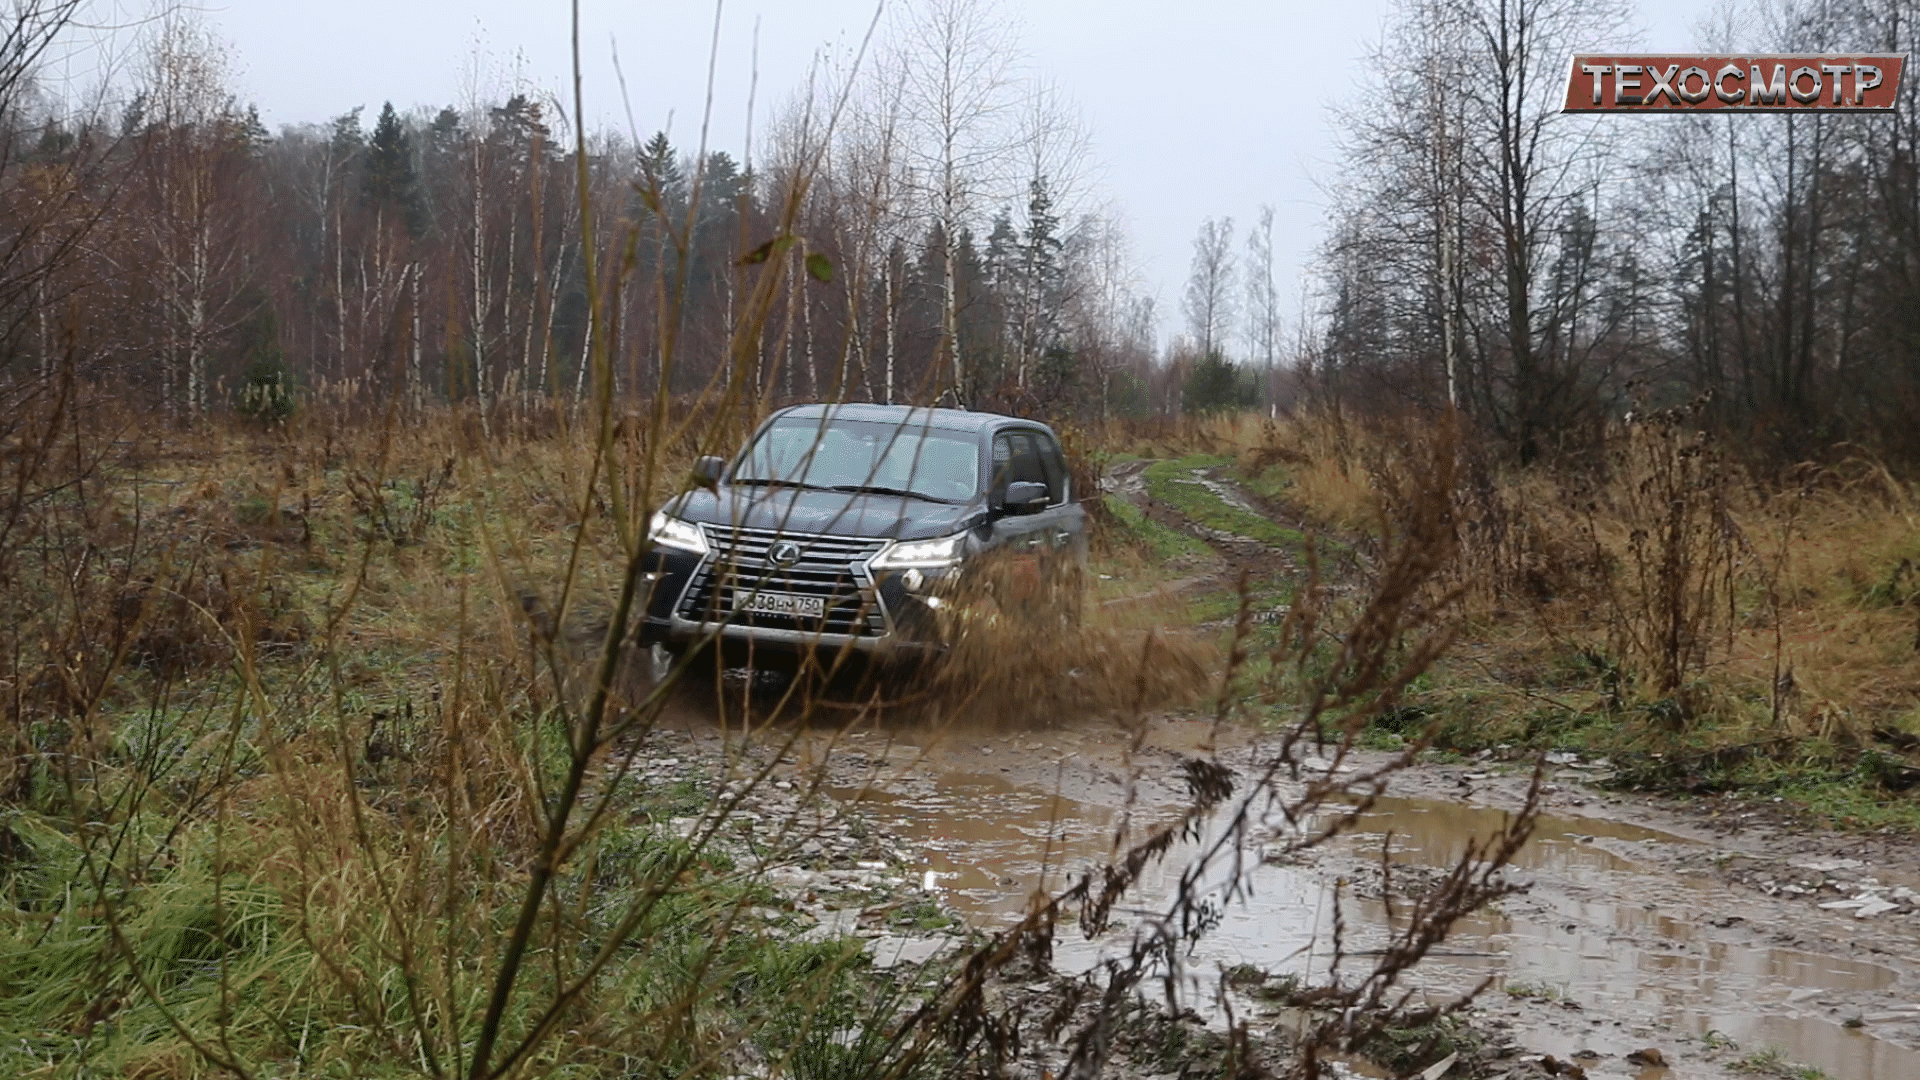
<point>347,140</point>
<point>250,132</point>
<point>390,181</point>
<point>722,184</point>
<point>1216,385</point>
<point>1042,275</point>
<point>266,389</point>
<point>660,173</point>
<point>1042,242</point>
<point>1003,257</point>
<point>445,128</point>
<point>521,125</point>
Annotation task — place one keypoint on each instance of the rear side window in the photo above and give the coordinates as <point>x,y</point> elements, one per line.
<point>1017,456</point>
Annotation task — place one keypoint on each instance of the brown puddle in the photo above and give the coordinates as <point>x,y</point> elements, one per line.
<point>1610,933</point>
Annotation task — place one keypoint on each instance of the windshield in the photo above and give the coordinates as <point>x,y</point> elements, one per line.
<point>854,454</point>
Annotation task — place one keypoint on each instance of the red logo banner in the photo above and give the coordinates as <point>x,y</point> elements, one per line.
<point>1856,82</point>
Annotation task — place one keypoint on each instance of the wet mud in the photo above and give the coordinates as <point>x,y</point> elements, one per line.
<point>1642,924</point>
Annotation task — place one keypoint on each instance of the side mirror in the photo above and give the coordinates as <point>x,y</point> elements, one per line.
<point>1025,497</point>
<point>708,470</point>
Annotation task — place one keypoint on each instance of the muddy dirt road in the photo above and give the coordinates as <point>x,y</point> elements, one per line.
<point>1714,933</point>
<point>1707,932</point>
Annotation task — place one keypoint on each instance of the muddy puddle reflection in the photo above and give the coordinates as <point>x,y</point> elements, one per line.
<point>1599,932</point>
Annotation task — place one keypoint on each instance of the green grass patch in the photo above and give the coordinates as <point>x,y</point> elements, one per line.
<point>233,956</point>
<point>1162,543</point>
<point>1409,1049</point>
<point>1265,594</point>
<point>1727,745</point>
<point>1176,483</point>
<point>1534,991</point>
<point>1771,1062</point>
<point>1273,482</point>
<point>1833,793</point>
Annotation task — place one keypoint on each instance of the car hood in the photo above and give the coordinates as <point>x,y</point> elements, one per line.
<point>834,513</point>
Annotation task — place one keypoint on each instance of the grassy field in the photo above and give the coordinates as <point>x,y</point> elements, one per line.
<point>292,719</point>
<point>299,718</point>
<point>1705,628</point>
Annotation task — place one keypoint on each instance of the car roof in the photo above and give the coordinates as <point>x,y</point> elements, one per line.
<point>949,419</point>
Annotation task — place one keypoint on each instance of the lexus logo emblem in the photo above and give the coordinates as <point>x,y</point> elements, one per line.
<point>784,553</point>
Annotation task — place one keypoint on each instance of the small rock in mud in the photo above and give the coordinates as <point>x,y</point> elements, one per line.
<point>1553,1066</point>
<point>888,952</point>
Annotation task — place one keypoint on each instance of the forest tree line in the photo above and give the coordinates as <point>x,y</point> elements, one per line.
<point>918,225</point>
<point>1548,274</point>
<point>929,246</point>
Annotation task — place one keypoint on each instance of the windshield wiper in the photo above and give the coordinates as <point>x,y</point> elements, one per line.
<point>877,490</point>
<point>768,481</point>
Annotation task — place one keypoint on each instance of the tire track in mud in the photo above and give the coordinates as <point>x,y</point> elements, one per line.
<point>1641,928</point>
<point>1631,938</point>
<point>1645,926</point>
<point>1270,569</point>
<point>1129,482</point>
<point>1292,528</point>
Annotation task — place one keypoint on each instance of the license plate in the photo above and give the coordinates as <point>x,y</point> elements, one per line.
<point>792,605</point>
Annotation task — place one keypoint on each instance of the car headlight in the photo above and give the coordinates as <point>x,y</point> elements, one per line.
<point>927,554</point>
<point>667,531</point>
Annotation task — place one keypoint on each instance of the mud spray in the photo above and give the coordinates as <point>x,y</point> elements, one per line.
<point>1029,647</point>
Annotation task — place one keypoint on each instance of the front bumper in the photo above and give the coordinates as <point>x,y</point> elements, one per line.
<point>906,626</point>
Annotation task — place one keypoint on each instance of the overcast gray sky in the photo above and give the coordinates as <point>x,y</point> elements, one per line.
<point>1197,108</point>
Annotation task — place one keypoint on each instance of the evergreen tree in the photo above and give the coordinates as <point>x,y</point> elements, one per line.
<point>520,125</point>
<point>1043,271</point>
<point>389,181</point>
<point>445,129</point>
<point>980,315</point>
<point>1042,245</point>
<point>660,172</point>
<point>1003,251</point>
<point>251,133</point>
<point>722,184</point>
<point>266,388</point>
<point>1216,384</point>
<point>347,140</point>
<point>716,234</point>
<point>133,118</point>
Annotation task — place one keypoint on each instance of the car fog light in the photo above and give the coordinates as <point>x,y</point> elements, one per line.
<point>913,580</point>
<point>935,603</point>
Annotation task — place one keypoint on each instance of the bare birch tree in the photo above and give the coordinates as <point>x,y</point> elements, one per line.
<point>1209,303</point>
<point>1263,298</point>
<point>196,150</point>
<point>959,100</point>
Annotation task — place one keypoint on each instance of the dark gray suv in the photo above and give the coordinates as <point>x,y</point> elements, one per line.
<point>847,527</point>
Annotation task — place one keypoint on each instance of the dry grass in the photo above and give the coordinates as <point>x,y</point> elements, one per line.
<point>289,678</point>
<point>1668,603</point>
<point>307,770</point>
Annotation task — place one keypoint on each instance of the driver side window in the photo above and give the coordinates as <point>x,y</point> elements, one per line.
<point>1016,456</point>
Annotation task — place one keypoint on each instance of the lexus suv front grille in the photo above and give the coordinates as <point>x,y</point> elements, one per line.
<point>749,563</point>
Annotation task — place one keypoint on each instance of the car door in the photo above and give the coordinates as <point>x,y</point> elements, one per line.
<point>1016,457</point>
<point>1031,545</point>
<point>1066,519</point>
